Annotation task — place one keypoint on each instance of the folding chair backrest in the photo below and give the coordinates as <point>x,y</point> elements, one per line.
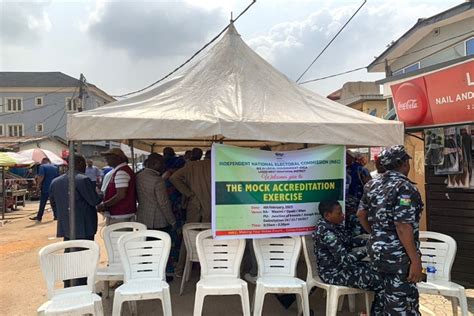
<point>112,233</point>
<point>440,249</point>
<point>58,266</point>
<point>310,258</point>
<point>190,232</point>
<point>144,254</point>
<point>219,257</point>
<point>277,256</point>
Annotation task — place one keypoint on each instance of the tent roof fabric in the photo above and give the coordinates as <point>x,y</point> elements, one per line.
<point>233,93</point>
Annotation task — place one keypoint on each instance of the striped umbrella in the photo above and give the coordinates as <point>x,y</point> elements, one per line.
<point>11,159</point>
<point>39,154</point>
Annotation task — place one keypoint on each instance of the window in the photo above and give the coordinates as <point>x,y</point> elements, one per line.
<point>398,72</point>
<point>39,101</point>
<point>2,132</point>
<point>413,67</point>
<point>470,47</point>
<point>73,105</point>
<point>39,128</point>
<point>407,69</point>
<point>14,105</point>
<point>390,104</point>
<point>15,130</point>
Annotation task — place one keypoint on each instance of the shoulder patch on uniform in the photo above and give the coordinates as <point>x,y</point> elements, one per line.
<point>405,200</point>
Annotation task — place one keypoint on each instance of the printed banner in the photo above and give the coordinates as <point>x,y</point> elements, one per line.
<point>257,193</point>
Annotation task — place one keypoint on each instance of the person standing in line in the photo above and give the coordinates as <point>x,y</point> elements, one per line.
<point>46,173</point>
<point>93,173</point>
<point>379,169</point>
<point>85,211</point>
<point>196,154</point>
<point>120,201</point>
<point>194,183</point>
<point>359,175</point>
<point>154,207</point>
<point>390,211</point>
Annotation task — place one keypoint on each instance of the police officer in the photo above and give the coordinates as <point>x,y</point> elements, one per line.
<point>352,223</point>
<point>337,263</point>
<point>391,208</point>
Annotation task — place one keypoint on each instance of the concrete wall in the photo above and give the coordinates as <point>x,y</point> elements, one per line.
<point>379,105</point>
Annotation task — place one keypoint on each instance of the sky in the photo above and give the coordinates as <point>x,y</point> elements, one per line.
<point>122,46</point>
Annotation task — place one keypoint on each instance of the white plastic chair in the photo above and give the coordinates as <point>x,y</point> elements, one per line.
<point>114,270</point>
<point>277,259</point>
<point>58,266</point>
<point>190,232</point>
<point>333,292</point>
<point>144,263</point>
<point>220,270</point>
<point>441,249</point>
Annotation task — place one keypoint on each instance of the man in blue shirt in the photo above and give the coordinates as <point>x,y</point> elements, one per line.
<point>93,173</point>
<point>46,173</point>
<point>85,208</point>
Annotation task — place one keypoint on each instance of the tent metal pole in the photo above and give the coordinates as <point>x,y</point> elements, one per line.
<point>72,192</point>
<point>4,194</point>
<point>132,152</point>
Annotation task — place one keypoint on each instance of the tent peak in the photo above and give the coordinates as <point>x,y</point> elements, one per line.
<point>231,30</point>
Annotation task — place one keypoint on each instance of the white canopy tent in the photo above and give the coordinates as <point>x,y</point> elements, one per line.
<point>232,94</point>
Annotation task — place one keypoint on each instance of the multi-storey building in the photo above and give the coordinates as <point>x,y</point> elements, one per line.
<point>36,104</point>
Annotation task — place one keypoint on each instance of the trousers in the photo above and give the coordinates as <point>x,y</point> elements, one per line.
<point>360,275</point>
<point>44,197</point>
<point>401,297</point>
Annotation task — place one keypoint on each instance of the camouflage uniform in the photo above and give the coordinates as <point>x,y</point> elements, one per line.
<point>352,223</point>
<point>338,265</point>
<point>389,199</point>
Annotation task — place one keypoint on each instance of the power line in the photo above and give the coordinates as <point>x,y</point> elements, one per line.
<point>391,59</point>
<point>334,75</point>
<point>190,58</point>
<point>330,42</point>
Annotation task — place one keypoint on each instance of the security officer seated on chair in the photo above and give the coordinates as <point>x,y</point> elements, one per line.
<point>337,264</point>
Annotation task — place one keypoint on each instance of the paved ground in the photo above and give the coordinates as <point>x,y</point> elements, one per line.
<point>22,288</point>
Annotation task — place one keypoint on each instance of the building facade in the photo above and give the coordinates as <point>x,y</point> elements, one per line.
<point>429,85</point>
<point>361,96</point>
<point>36,104</point>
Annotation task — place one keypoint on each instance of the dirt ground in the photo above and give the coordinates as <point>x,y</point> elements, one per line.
<point>23,290</point>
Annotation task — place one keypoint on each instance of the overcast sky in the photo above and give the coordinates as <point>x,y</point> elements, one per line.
<point>122,46</point>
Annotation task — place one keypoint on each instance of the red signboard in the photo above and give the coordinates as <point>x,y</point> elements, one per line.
<point>439,98</point>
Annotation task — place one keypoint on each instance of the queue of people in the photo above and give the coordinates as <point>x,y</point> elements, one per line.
<point>170,191</point>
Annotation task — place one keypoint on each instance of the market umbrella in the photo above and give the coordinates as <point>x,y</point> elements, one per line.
<point>10,159</point>
<point>38,154</point>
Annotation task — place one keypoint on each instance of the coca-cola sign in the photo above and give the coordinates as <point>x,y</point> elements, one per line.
<point>408,105</point>
<point>438,98</point>
<point>411,103</point>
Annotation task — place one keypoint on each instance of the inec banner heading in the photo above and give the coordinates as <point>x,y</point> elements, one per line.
<point>258,193</point>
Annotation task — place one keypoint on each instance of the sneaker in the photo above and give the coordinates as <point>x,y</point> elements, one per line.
<point>35,218</point>
<point>249,278</point>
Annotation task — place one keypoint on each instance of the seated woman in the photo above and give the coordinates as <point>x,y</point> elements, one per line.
<point>337,264</point>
